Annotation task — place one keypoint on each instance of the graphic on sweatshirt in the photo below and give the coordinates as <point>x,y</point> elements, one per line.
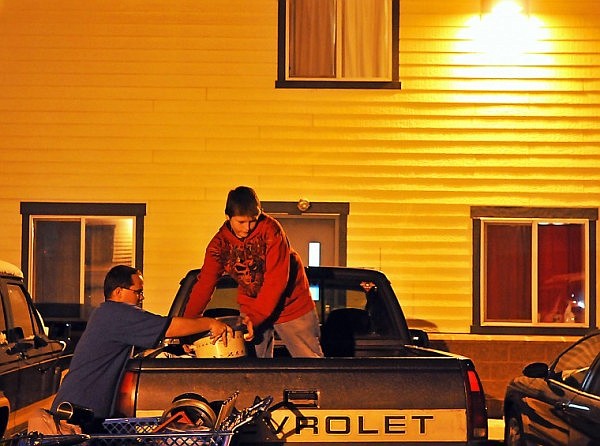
<point>246,264</point>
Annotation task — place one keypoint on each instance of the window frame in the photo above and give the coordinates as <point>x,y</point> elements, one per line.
<point>498,213</point>
<point>283,49</point>
<point>29,209</point>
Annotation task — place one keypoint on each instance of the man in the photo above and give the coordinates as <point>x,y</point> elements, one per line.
<point>273,290</point>
<point>116,326</point>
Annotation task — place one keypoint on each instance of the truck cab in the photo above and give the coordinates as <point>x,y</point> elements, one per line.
<point>30,362</point>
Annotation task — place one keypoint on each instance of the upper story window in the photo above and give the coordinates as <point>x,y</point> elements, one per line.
<point>338,44</point>
<point>534,270</point>
<point>69,247</point>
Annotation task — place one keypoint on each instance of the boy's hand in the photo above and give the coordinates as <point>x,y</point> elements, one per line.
<point>249,335</point>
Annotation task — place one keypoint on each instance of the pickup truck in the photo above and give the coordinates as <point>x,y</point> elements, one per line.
<point>375,385</point>
<point>30,363</point>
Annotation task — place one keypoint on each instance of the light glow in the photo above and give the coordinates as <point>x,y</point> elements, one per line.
<point>507,35</point>
<point>507,7</point>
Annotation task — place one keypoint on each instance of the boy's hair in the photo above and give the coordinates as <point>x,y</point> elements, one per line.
<point>242,201</point>
<point>118,277</point>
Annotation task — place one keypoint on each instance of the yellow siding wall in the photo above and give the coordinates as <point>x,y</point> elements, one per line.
<point>172,103</point>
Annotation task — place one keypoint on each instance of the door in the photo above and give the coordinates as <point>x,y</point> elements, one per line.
<point>314,238</point>
<point>317,233</point>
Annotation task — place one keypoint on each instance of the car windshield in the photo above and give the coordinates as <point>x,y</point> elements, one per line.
<point>572,366</point>
<point>330,295</point>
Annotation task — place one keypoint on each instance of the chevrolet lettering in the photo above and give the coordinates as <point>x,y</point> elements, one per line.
<point>317,426</point>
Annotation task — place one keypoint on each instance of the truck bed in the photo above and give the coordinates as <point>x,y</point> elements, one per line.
<point>425,378</point>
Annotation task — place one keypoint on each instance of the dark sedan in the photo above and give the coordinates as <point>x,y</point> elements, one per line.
<point>557,404</point>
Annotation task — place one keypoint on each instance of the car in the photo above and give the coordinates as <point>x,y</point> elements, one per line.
<point>31,364</point>
<point>557,404</point>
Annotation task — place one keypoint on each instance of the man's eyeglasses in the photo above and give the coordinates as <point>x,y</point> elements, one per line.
<point>139,292</point>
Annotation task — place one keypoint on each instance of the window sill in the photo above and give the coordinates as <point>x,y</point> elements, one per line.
<point>355,85</point>
<point>544,331</point>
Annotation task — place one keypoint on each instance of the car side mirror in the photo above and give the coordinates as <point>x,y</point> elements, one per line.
<point>536,370</point>
<point>39,342</point>
<point>14,335</point>
<point>419,337</point>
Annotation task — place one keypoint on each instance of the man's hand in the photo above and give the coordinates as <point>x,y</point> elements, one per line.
<point>219,330</point>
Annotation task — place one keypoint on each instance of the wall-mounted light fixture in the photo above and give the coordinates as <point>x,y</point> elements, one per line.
<point>505,7</point>
<point>303,205</point>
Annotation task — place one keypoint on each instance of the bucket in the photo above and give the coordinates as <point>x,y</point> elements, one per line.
<point>235,348</point>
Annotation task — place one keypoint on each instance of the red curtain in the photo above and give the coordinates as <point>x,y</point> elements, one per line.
<point>561,270</point>
<point>508,272</point>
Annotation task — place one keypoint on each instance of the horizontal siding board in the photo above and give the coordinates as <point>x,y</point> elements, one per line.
<point>409,134</point>
<point>123,130</point>
<point>38,44</point>
<point>540,61</point>
<point>184,69</point>
<point>409,32</point>
<point>538,74</point>
<point>449,47</point>
<point>202,125</point>
<point>157,120</point>
<point>144,57</point>
<point>189,80</point>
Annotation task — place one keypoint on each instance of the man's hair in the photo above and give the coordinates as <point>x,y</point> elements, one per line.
<point>118,277</point>
<point>242,201</point>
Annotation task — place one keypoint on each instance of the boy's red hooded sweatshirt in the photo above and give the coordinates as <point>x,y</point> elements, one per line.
<point>272,283</point>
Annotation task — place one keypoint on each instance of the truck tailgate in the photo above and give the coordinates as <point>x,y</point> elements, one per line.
<point>324,400</point>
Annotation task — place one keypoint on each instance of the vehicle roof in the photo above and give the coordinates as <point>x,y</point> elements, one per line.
<point>323,272</point>
<point>8,269</point>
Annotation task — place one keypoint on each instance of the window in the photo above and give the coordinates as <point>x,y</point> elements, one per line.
<point>338,44</point>
<point>69,247</point>
<point>21,315</point>
<point>533,270</point>
<point>335,293</point>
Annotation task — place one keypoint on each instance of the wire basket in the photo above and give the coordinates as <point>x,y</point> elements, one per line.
<point>153,431</point>
<point>142,432</point>
<point>123,426</point>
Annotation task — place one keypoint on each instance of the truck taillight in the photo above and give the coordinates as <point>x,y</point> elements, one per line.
<point>125,403</point>
<point>476,407</point>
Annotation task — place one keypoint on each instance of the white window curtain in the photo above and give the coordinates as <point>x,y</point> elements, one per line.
<point>366,39</point>
<point>348,39</point>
